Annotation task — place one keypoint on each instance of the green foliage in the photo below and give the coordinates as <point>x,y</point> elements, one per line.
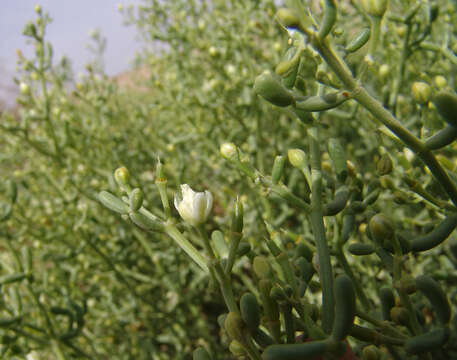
<point>96,262</point>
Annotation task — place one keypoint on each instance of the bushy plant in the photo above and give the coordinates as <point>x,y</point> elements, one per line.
<point>320,140</point>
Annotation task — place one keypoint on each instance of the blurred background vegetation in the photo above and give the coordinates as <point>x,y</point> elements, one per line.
<point>94,286</point>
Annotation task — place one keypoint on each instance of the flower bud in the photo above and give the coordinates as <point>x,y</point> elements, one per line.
<point>384,71</point>
<point>228,150</point>
<point>440,81</point>
<point>381,227</point>
<point>122,177</point>
<point>24,88</point>
<point>375,7</point>
<point>422,92</point>
<point>384,165</point>
<point>297,158</point>
<point>370,352</point>
<point>234,325</point>
<point>287,18</point>
<point>399,315</point>
<point>237,349</point>
<point>37,9</point>
<point>194,207</point>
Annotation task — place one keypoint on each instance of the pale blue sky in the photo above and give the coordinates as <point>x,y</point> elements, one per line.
<point>68,33</point>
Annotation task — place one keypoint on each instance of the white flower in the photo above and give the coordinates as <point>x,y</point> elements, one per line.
<point>33,356</point>
<point>194,207</point>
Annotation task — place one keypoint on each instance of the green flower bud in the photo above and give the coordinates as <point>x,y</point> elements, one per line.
<point>228,150</point>
<point>297,158</point>
<point>381,228</point>
<point>384,70</point>
<point>370,352</point>
<point>37,9</point>
<point>24,88</point>
<point>384,165</point>
<point>136,199</point>
<point>287,18</point>
<point>235,326</point>
<point>422,92</point>
<point>375,7</point>
<point>399,315</point>
<point>236,348</point>
<point>440,81</point>
<point>122,177</point>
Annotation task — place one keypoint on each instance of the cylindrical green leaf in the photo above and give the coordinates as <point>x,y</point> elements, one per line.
<point>201,354</point>
<point>435,237</point>
<point>387,298</point>
<point>268,87</point>
<point>338,156</point>
<point>322,103</point>
<point>112,202</point>
<point>435,294</point>
<point>145,222</point>
<point>360,249</point>
<point>250,311</point>
<point>446,104</point>
<point>430,341</point>
<point>307,350</point>
<point>360,40</point>
<point>345,307</point>
<point>442,138</point>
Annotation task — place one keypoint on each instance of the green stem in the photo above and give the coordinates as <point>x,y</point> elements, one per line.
<point>379,113</point>
<point>401,69</point>
<point>224,281</point>
<point>286,310</point>
<point>184,244</point>
<point>47,103</point>
<point>347,269</point>
<point>34,295</point>
<point>375,35</point>
<point>441,49</point>
<point>317,223</point>
<point>404,298</point>
<point>383,325</point>
<point>235,239</point>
